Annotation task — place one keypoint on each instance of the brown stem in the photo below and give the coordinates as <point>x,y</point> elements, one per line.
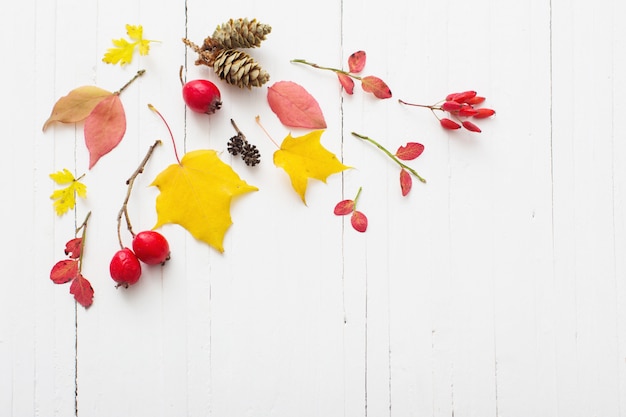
<point>139,74</point>
<point>83,226</point>
<point>124,210</point>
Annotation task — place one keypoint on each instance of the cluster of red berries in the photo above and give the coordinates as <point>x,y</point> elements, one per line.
<point>149,247</point>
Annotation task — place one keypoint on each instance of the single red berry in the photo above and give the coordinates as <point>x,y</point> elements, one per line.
<point>151,247</point>
<point>449,124</point>
<point>451,106</point>
<point>467,111</point>
<point>202,96</point>
<point>475,100</point>
<point>471,126</point>
<point>125,268</point>
<point>483,113</point>
<point>462,97</point>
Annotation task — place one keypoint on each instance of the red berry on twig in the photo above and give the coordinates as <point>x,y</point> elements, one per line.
<point>151,247</point>
<point>125,268</point>
<point>471,126</point>
<point>449,124</point>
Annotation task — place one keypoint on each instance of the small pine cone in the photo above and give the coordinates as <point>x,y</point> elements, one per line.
<point>250,154</point>
<point>236,145</point>
<point>238,68</point>
<point>241,33</point>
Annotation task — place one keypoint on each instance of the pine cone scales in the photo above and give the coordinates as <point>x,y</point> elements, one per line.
<point>241,33</point>
<point>238,68</point>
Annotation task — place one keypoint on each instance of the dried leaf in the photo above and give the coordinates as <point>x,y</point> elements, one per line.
<point>294,106</point>
<point>76,105</point>
<point>196,194</point>
<point>358,221</point>
<point>406,182</point>
<point>304,157</point>
<point>73,247</point>
<point>375,86</point>
<point>356,61</point>
<point>344,207</point>
<point>410,151</point>
<point>346,82</point>
<point>104,128</point>
<point>82,290</point>
<point>64,271</point>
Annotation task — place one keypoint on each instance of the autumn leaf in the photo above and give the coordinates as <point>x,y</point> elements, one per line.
<point>356,61</point>
<point>376,86</point>
<point>123,50</point>
<point>294,106</point>
<point>104,128</point>
<point>197,193</point>
<point>406,182</point>
<point>64,271</point>
<point>65,198</point>
<point>346,82</point>
<point>76,105</point>
<point>82,290</point>
<point>358,221</point>
<point>304,157</point>
<point>410,151</point>
<point>73,247</point>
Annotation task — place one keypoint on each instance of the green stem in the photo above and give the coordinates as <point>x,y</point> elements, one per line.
<point>83,226</point>
<point>358,193</point>
<point>305,62</point>
<point>390,155</point>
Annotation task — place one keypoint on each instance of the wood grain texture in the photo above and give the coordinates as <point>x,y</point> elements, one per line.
<point>498,288</point>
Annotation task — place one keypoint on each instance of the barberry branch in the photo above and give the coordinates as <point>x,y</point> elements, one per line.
<point>392,156</point>
<point>305,62</point>
<point>124,210</point>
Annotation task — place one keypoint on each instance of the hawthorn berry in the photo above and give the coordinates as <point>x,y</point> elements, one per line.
<point>151,247</point>
<point>202,96</point>
<point>125,268</point>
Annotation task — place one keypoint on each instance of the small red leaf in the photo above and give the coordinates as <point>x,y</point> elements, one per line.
<point>73,247</point>
<point>294,106</point>
<point>346,82</point>
<point>375,86</point>
<point>406,182</point>
<point>356,61</point>
<point>82,290</point>
<point>410,151</point>
<point>358,221</point>
<point>104,128</point>
<point>471,126</point>
<point>484,113</point>
<point>344,207</point>
<point>64,271</point>
<point>449,124</point>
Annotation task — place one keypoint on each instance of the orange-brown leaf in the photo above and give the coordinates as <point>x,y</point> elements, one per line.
<point>64,271</point>
<point>375,86</point>
<point>104,128</point>
<point>356,61</point>
<point>76,105</point>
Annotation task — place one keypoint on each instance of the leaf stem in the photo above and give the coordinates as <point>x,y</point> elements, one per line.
<point>358,193</point>
<point>151,107</point>
<point>124,210</point>
<point>305,62</point>
<point>392,156</point>
<point>258,121</point>
<point>139,74</point>
<point>83,226</point>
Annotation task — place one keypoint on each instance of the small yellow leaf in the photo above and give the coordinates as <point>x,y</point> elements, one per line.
<point>134,32</point>
<point>304,157</point>
<point>65,198</point>
<point>122,52</point>
<point>196,194</point>
<point>76,105</point>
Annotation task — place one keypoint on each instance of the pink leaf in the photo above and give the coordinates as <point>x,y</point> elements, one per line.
<point>82,291</point>
<point>64,271</point>
<point>406,182</point>
<point>344,207</point>
<point>356,61</point>
<point>375,86</point>
<point>410,151</point>
<point>294,106</point>
<point>358,221</point>
<point>104,128</point>
<point>346,82</point>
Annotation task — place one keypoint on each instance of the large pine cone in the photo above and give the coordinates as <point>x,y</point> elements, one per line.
<point>241,33</point>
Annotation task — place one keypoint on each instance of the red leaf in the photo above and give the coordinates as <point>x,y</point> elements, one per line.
<point>410,151</point>
<point>356,61</point>
<point>471,126</point>
<point>294,106</point>
<point>344,207</point>
<point>375,86</point>
<point>64,271</point>
<point>346,82</point>
<point>72,248</point>
<point>359,221</point>
<point>406,182</point>
<point>484,113</point>
<point>82,290</point>
<point>104,128</point>
<point>449,124</point>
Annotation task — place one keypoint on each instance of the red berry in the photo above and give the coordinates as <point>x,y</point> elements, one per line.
<point>483,113</point>
<point>151,247</point>
<point>125,268</point>
<point>202,96</point>
<point>449,124</point>
<point>471,126</point>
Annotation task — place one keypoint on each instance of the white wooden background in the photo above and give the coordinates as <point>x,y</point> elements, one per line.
<point>497,289</point>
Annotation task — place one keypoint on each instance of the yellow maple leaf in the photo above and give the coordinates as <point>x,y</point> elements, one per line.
<point>304,157</point>
<point>65,198</point>
<point>196,194</point>
<point>123,50</point>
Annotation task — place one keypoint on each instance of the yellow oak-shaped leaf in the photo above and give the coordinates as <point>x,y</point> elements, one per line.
<point>304,157</point>
<point>77,105</point>
<point>122,52</point>
<point>65,198</point>
<point>196,194</point>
